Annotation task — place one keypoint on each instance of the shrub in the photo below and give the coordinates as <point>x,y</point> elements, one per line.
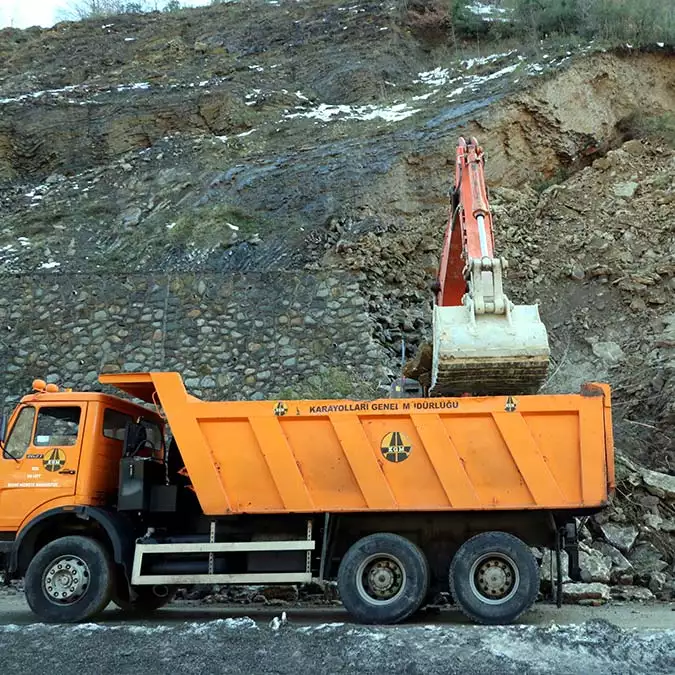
<point>633,21</point>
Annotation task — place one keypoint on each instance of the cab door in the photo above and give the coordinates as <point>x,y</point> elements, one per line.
<point>40,459</point>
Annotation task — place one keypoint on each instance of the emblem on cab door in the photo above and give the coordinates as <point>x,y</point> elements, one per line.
<point>280,409</point>
<point>396,446</point>
<point>54,460</point>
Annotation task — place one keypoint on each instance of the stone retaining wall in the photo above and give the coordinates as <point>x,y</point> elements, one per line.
<point>249,336</point>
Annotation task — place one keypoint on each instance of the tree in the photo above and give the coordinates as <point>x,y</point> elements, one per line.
<point>85,9</point>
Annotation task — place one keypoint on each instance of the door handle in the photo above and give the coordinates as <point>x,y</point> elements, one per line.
<point>69,472</point>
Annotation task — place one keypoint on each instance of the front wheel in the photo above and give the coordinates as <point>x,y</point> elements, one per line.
<point>383,578</point>
<point>69,580</point>
<point>494,578</point>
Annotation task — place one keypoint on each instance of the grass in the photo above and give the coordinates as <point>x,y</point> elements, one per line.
<point>654,126</point>
<point>215,225</point>
<point>334,382</point>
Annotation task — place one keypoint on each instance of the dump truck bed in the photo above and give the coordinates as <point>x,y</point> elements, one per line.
<point>550,452</point>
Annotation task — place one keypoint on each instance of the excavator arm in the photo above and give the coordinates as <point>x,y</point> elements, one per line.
<point>483,344</point>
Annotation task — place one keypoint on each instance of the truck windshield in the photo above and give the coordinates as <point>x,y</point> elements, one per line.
<point>19,438</point>
<point>57,426</point>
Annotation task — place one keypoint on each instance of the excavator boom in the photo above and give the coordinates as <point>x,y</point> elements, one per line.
<point>483,344</point>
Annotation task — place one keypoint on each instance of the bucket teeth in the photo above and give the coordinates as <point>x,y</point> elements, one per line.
<point>489,354</point>
<point>490,377</point>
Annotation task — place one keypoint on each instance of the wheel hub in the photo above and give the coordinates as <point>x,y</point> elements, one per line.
<point>494,578</point>
<point>381,578</point>
<point>66,579</point>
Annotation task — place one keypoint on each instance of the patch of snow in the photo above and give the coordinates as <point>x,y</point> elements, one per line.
<point>24,241</point>
<point>301,96</point>
<point>49,266</point>
<point>258,69</point>
<point>107,25</point>
<point>245,133</point>
<point>485,10</point>
<point>86,626</point>
<point>253,94</point>
<point>325,112</point>
<point>329,626</point>
<point>130,39</point>
<point>482,60</point>
<point>455,92</point>
<point>277,622</point>
<point>144,630</point>
<point>658,44</point>
<point>436,77</point>
<point>629,46</point>
<point>134,86</point>
<point>170,226</point>
<point>232,227</point>
<point>424,97</point>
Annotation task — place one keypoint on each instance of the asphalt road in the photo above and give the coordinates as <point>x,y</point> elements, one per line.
<point>189,638</point>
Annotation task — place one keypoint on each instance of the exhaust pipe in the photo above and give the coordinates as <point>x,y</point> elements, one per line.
<point>161,591</point>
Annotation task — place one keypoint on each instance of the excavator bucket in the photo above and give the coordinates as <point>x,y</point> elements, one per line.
<point>488,354</point>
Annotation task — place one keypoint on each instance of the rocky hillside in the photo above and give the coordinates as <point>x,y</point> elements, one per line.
<point>255,194</point>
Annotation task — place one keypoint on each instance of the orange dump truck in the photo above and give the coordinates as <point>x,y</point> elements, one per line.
<point>394,498</point>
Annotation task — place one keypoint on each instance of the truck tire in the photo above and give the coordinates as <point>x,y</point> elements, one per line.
<point>69,580</point>
<point>145,602</point>
<point>494,578</point>
<point>383,578</point>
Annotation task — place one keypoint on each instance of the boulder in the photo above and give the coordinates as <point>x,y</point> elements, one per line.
<point>660,484</point>
<point>621,536</point>
<point>594,565</point>
<point>647,559</point>
<point>594,593</point>
<point>632,593</point>
<point>549,569</point>
<point>657,582</point>
<point>621,568</point>
<point>652,521</point>
<point>609,352</point>
<point>627,189</point>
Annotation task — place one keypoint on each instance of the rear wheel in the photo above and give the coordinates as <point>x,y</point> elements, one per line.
<point>383,578</point>
<point>69,580</point>
<point>494,578</point>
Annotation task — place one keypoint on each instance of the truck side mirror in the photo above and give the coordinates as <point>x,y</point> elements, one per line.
<point>3,426</point>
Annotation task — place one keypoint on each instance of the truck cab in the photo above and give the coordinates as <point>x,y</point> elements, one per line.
<point>60,459</point>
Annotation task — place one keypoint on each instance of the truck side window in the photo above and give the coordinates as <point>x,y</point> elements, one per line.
<point>19,439</point>
<point>57,426</point>
<point>114,424</point>
<point>154,435</point>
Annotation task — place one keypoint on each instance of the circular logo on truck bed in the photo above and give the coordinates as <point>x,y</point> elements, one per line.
<point>396,446</point>
<point>54,460</point>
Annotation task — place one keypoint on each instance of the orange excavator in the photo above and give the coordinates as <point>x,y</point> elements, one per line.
<point>483,344</point>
